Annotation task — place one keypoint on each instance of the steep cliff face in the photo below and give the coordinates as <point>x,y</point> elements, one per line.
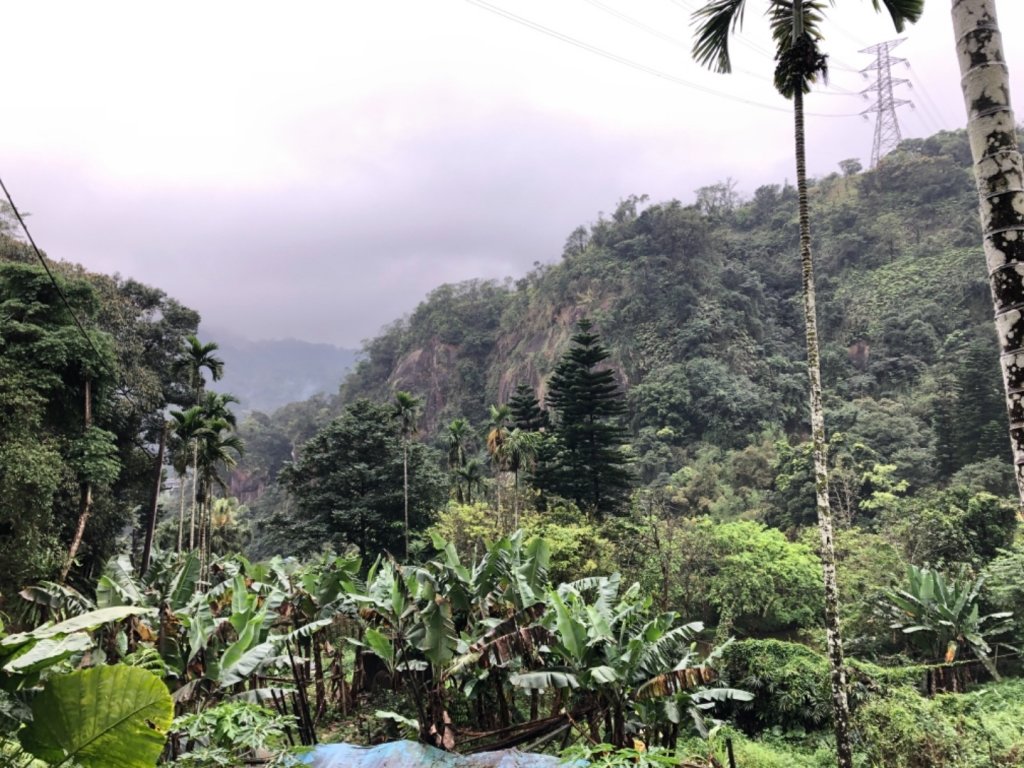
<point>430,372</point>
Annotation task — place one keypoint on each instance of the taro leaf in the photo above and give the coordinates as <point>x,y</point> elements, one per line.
<point>104,717</point>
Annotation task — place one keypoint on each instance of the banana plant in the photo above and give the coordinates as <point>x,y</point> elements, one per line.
<point>636,672</point>
<point>941,617</point>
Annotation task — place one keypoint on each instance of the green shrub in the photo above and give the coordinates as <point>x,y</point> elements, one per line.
<point>789,681</point>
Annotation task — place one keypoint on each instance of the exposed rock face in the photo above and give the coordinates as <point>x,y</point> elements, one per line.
<point>428,372</point>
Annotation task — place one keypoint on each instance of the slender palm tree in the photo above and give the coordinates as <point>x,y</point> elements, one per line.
<point>999,175</point>
<point>519,451</point>
<point>497,431</point>
<point>216,405</point>
<point>457,440</point>
<point>796,30</point>
<point>406,411</point>
<point>472,475</point>
<point>188,427</point>
<point>217,448</point>
<point>194,357</point>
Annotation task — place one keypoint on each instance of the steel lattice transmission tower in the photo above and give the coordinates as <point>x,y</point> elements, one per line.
<point>887,127</point>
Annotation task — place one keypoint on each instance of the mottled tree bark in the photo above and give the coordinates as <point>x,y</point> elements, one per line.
<point>840,704</point>
<point>999,174</point>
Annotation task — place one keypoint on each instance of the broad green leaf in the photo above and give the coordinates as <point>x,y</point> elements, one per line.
<point>47,652</point>
<point>84,623</point>
<point>245,639</point>
<point>439,639</point>
<point>105,717</point>
<point>246,664</point>
<point>183,586</point>
<point>604,674</point>
<point>380,645</point>
<point>572,634</point>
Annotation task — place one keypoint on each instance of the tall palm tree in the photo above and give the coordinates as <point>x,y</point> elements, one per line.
<point>999,175</point>
<point>472,475</point>
<point>188,427</point>
<point>497,432</point>
<point>406,411</point>
<point>217,448</point>
<point>457,440</point>
<point>518,451</point>
<point>796,30</point>
<point>216,405</point>
<point>194,357</point>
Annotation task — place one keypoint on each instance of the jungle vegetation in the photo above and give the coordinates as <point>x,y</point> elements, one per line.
<point>570,512</point>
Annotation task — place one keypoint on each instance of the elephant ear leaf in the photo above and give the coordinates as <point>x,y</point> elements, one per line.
<point>105,717</point>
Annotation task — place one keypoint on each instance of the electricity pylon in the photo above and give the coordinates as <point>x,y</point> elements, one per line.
<point>887,127</point>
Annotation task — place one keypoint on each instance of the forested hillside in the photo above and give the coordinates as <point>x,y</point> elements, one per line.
<point>698,306</point>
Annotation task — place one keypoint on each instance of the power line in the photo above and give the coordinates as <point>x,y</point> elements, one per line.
<point>60,291</point>
<point>631,63</point>
<point>56,285</point>
<point>928,101</point>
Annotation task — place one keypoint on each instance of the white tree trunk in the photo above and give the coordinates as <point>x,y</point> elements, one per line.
<point>999,174</point>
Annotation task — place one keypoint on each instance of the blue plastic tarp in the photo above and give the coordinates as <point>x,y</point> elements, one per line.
<point>411,754</point>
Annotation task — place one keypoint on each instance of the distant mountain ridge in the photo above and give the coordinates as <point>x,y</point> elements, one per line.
<point>268,374</point>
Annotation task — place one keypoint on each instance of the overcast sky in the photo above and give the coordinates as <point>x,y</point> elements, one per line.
<point>312,169</point>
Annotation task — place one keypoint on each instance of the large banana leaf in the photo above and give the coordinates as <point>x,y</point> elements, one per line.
<point>183,586</point>
<point>47,652</point>
<point>105,717</point>
<point>242,667</point>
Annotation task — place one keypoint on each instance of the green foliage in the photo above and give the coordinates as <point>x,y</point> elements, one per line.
<point>608,756</point>
<point>950,526</point>
<point>231,733</point>
<point>348,485</point>
<point>105,717</point>
<point>789,682</point>
<point>941,617</point>
<point>974,730</point>
<point>741,575</point>
<point>590,467</point>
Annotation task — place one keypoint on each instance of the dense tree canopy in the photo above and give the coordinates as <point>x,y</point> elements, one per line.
<point>348,485</point>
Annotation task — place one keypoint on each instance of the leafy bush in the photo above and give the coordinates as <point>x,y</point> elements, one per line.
<point>789,681</point>
<point>974,730</point>
<point>231,734</point>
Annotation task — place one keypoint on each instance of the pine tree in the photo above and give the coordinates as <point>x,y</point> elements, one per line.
<point>590,468</point>
<point>526,411</point>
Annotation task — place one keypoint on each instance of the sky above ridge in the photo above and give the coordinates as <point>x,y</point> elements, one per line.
<point>313,169</point>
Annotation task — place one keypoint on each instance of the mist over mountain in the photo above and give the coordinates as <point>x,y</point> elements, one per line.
<point>269,373</point>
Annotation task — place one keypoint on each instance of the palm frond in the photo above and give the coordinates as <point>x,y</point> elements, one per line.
<point>901,11</point>
<point>715,22</point>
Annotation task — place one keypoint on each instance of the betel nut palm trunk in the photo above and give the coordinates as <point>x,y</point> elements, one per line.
<point>999,175</point>
<point>837,669</point>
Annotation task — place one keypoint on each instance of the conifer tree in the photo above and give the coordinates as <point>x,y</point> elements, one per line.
<point>587,404</point>
<point>526,411</point>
